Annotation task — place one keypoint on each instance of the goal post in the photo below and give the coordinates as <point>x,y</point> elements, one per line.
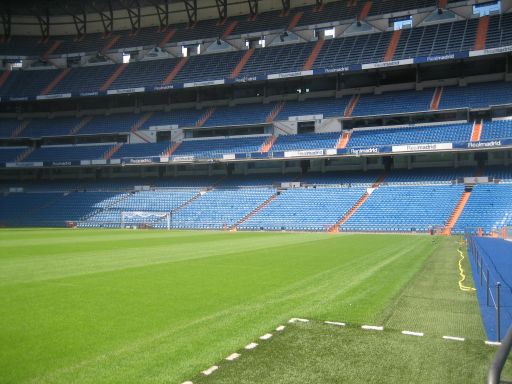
<point>145,219</point>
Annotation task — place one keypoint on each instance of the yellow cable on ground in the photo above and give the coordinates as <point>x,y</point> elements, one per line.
<point>462,275</point>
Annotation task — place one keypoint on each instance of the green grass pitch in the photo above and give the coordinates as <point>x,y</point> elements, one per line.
<point>124,306</point>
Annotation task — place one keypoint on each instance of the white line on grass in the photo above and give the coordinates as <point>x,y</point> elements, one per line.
<point>335,323</point>
<point>266,336</point>
<point>409,333</point>
<point>233,356</point>
<point>298,320</point>
<point>372,327</point>
<point>455,338</point>
<point>280,328</point>
<point>187,382</point>
<point>494,343</point>
<point>251,346</point>
<point>210,370</point>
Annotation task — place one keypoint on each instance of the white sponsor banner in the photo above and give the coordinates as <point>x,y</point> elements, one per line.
<point>485,144</point>
<point>364,151</point>
<point>203,83</point>
<point>306,152</point>
<point>421,147</point>
<point>85,162</point>
<point>384,64</point>
<point>99,162</point>
<point>125,90</point>
<point>306,117</point>
<point>25,164</point>
<point>164,159</point>
<point>331,151</point>
<point>289,74</point>
<point>183,158</point>
<point>476,180</point>
<point>490,51</point>
<point>228,156</point>
<point>115,161</point>
<point>55,96</point>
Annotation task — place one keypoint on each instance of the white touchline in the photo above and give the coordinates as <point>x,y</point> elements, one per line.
<point>492,342</point>
<point>409,333</point>
<point>210,370</point>
<point>251,346</point>
<point>280,328</point>
<point>187,382</point>
<point>372,327</point>
<point>233,356</point>
<point>266,336</point>
<point>335,323</point>
<point>453,338</point>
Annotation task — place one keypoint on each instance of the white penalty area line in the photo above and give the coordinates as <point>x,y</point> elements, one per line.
<point>454,338</point>
<point>372,327</point>
<point>410,333</point>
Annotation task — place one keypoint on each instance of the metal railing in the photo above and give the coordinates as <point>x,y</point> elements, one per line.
<point>494,375</point>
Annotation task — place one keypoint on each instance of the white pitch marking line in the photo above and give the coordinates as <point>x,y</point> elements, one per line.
<point>210,370</point>
<point>280,328</point>
<point>494,343</point>
<point>251,346</point>
<point>372,327</point>
<point>298,320</point>
<point>266,336</point>
<point>409,333</point>
<point>233,356</point>
<point>335,323</point>
<point>455,338</point>
<point>187,382</point>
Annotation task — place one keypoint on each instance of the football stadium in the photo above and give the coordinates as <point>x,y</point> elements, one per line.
<point>256,191</point>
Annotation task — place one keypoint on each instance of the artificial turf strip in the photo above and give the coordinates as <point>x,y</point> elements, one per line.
<point>318,353</point>
<point>92,306</point>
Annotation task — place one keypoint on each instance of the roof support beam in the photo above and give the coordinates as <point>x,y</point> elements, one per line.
<point>80,21</point>
<point>5,14</point>
<point>162,10</point>
<point>191,8</point>
<point>222,9</point>
<point>133,9</point>
<point>107,17</point>
<point>253,7</point>
<point>44,22</point>
<point>286,5</point>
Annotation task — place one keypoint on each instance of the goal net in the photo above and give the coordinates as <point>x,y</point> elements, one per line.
<point>145,219</point>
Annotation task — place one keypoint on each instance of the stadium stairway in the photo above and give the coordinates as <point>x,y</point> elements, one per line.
<point>481,33</point>
<point>177,68</point>
<point>313,55</point>
<point>447,230</point>
<point>168,36</point>
<point>82,123</point>
<point>267,145</point>
<point>229,30</point>
<point>351,106</point>
<point>17,132</point>
<point>112,151</point>
<point>110,43</point>
<point>62,74</point>
<point>3,78</point>
<point>106,85</point>
<point>22,156</point>
<point>251,214</point>
<point>139,123</point>
<point>358,204</point>
<point>365,10</point>
<point>343,141</point>
<point>295,20</point>
<point>277,109</point>
<point>204,118</point>
<point>393,43</point>
<point>241,64</point>
<point>436,99</point>
<point>171,149</point>
<point>476,134</point>
<point>53,48</point>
